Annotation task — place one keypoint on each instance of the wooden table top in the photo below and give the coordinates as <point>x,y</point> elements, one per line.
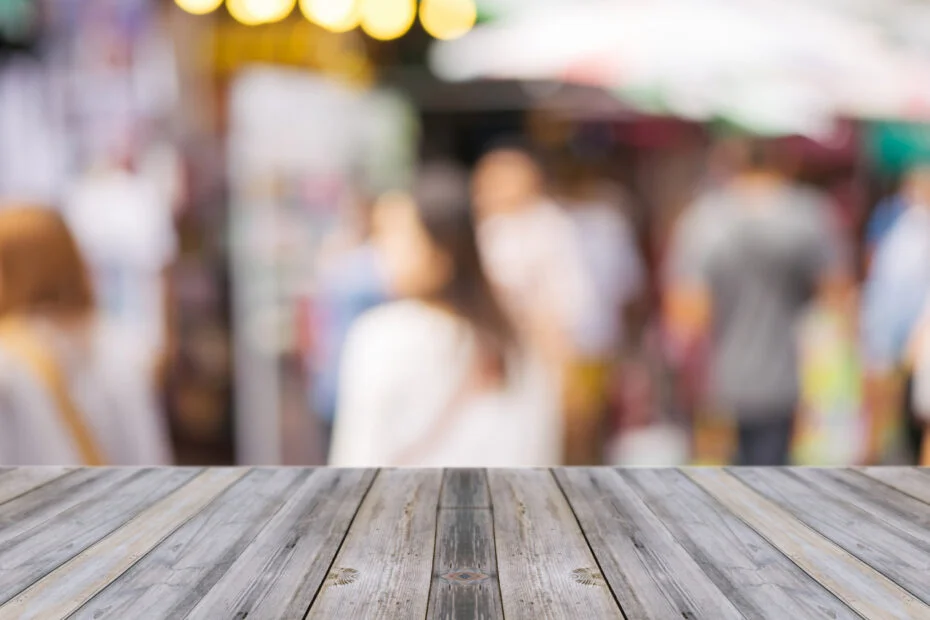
<point>404,543</point>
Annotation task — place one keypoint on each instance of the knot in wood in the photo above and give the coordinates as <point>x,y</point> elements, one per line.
<point>465,576</point>
<point>343,576</point>
<point>587,576</point>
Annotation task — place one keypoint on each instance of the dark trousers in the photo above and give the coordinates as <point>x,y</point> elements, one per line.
<point>913,428</point>
<point>764,440</point>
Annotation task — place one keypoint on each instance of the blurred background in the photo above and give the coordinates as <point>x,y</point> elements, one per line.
<point>223,165</point>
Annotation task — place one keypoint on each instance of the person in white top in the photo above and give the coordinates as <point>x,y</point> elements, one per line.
<point>531,251</point>
<point>534,259</point>
<point>440,377</point>
<point>73,389</point>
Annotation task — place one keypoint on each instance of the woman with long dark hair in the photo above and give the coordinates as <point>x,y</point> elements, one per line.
<point>440,377</point>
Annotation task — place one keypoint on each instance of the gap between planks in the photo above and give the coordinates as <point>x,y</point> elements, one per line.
<point>584,534</point>
<point>863,588</point>
<point>65,590</point>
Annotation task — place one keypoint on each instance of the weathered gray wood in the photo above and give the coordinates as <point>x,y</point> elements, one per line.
<point>546,568</point>
<point>637,553</point>
<point>64,590</point>
<point>33,554</point>
<point>32,510</point>
<point>896,554</point>
<point>465,488</point>
<point>861,587</point>
<point>464,566</point>
<point>16,481</point>
<point>383,568</point>
<point>171,580</point>
<point>914,481</point>
<point>277,575</point>
<point>883,502</point>
<point>754,576</point>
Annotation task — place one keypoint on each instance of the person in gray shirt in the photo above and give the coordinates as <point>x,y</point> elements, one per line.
<point>760,264</point>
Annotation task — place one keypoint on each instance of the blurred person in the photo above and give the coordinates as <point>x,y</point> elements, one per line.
<point>758,271</point>
<point>894,296</point>
<point>880,223</point>
<point>74,388</point>
<point>351,281</point>
<point>534,259</point>
<point>440,377</point>
<point>609,330</point>
<point>684,339</point>
<point>918,427</point>
<point>123,221</point>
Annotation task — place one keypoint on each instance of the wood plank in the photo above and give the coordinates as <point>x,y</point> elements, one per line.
<point>865,590</point>
<point>465,488</point>
<point>545,566</point>
<point>637,553</point>
<point>464,565</point>
<point>16,481</point>
<point>35,553</point>
<point>63,591</point>
<point>881,501</point>
<point>171,580</point>
<point>757,578</point>
<point>903,558</point>
<point>279,573</point>
<point>383,568</point>
<point>34,509</point>
<point>915,481</point>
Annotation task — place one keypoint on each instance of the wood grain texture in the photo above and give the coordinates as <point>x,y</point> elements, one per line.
<point>31,555</point>
<point>757,578</point>
<point>898,555</point>
<point>636,552</point>
<point>34,509</point>
<point>171,580</point>
<point>911,480</point>
<point>464,565</point>
<point>384,566</point>
<point>861,587</point>
<point>465,488</point>
<point>64,590</point>
<point>280,571</point>
<point>882,502</point>
<point>546,568</point>
<point>16,481</point>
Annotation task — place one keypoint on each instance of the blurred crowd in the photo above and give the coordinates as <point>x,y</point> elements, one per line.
<point>264,256</point>
<point>516,333</point>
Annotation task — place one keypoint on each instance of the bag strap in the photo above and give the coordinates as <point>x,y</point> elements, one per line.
<point>21,341</point>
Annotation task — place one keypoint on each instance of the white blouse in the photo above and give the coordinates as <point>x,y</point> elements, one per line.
<point>110,384</point>
<point>404,364</point>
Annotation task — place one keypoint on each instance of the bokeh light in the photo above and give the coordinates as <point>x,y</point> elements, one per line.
<point>270,10</point>
<point>387,19</point>
<point>241,13</point>
<point>252,12</point>
<point>333,15</point>
<point>198,7</point>
<point>448,19</point>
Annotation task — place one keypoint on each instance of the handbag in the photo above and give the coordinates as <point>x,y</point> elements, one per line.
<point>20,341</point>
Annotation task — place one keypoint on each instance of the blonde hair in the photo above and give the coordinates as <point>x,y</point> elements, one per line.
<point>41,269</point>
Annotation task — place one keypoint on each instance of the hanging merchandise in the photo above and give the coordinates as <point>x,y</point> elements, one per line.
<point>300,155</point>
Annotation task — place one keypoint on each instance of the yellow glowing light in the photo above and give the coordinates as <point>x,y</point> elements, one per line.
<point>387,19</point>
<point>268,11</point>
<point>241,13</point>
<point>448,19</point>
<point>333,15</point>
<point>198,7</point>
